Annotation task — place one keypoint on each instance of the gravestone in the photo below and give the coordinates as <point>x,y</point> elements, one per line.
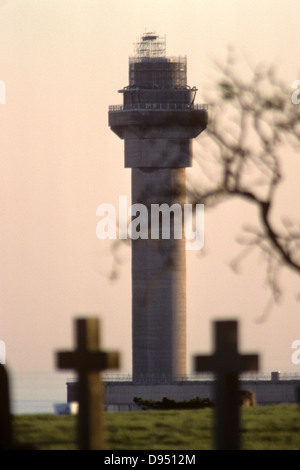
<point>226,363</point>
<point>88,361</point>
<point>6,441</point>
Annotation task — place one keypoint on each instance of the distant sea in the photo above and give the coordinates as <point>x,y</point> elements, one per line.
<point>37,392</point>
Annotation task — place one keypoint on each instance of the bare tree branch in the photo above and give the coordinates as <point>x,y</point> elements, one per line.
<point>251,123</point>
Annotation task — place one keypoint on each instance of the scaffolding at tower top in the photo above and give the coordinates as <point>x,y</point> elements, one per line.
<point>150,46</point>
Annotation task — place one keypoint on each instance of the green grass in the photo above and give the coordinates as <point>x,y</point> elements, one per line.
<point>262,428</point>
<point>271,427</point>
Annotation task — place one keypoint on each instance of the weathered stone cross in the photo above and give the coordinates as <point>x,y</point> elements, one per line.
<point>226,363</point>
<point>88,361</point>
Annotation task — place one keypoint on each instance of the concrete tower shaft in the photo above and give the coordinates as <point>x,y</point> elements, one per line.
<point>157,121</point>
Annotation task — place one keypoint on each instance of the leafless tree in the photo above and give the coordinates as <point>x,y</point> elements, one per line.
<point>252,120</point>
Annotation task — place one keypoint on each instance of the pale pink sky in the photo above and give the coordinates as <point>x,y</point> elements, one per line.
<point>63,63</point>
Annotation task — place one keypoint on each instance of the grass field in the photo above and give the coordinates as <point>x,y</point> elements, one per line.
<point>262,428</point>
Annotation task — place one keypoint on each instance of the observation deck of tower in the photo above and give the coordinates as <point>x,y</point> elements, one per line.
<point>157,121</point>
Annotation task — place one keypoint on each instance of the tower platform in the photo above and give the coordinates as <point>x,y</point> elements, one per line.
<point>268,390</point>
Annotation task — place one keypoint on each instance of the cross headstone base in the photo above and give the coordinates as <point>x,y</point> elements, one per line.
<point>88,361</point>
<point>226,363</point>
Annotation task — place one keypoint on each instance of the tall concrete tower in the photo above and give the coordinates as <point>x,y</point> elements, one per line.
<point>158,120</point>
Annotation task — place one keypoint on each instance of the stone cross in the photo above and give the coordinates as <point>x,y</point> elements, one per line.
<point>226,363</point>
<point>88,361</point>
